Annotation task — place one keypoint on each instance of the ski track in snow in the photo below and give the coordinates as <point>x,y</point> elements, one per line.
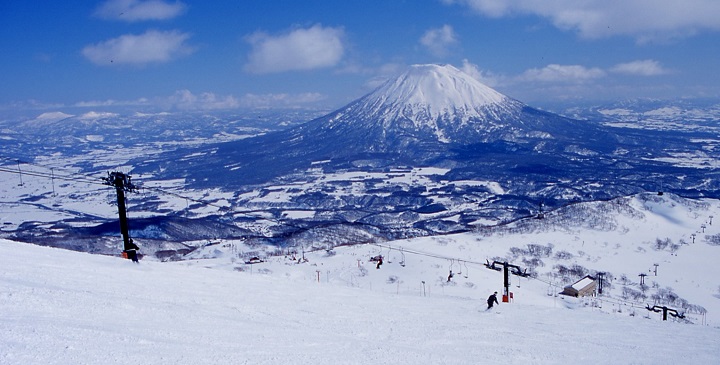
<point>63,307</point>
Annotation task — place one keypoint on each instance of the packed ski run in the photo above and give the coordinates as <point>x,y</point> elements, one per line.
<point>64,307</point>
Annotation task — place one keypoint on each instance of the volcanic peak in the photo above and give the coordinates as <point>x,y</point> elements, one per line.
<point>433,91</point>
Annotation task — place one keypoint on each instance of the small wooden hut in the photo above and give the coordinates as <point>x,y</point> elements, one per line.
<point>581,288</point>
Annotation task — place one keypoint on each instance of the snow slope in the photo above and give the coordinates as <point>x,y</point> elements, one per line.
<point>63,307</point>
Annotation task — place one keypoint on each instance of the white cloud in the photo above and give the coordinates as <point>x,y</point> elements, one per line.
<point>300,49</point>
<point>138,10</point>
<point>641,68</point>
<point>646,20</point>
<point>493,8</point>
<point>186,100</point>
<point>281,100</point>
<point>110,103</point>
<point>562,73</point>
<point>485,77</point>
<point>150,47</point>
<point>439,40</point>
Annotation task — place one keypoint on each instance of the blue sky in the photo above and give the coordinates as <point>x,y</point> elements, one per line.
<point>229,54</point>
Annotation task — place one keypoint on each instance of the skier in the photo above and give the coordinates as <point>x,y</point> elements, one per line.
<point>132,251</point>
<point>492,300</point>
<point>379,262</point>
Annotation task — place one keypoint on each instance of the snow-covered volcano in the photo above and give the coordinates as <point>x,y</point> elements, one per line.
<point>428,115</point>
<point>443,104</point>
<point>426,102</point>
<point>434,97</point>
<point>440,87</point>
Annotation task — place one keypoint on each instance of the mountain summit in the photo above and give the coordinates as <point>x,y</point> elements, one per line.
<point>440,103</point>
<point>426,94</point>
<point>437,102</point>
<point>438,86</point>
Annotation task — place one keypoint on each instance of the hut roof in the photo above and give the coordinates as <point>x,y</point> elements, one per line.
<point>583,283</point>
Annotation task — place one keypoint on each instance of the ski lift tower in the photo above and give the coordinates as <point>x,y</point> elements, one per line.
<point>122,184</point>
<point>506,282</point>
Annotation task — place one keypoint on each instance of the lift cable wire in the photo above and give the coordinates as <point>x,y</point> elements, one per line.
<point>51,176</point>
<point>91,180</point>
<point>200,201</point>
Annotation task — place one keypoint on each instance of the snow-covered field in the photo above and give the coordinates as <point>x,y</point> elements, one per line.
<point>63,307</point>
<point>336,307</point>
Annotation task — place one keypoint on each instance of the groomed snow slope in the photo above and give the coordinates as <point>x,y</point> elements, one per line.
<point>63,307</point>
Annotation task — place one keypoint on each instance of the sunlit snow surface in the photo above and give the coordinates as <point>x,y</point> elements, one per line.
<point>62,307</point>
<point>437,89</point>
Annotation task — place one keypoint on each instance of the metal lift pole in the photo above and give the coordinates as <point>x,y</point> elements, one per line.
<point>122,212</point>
<point>122,183</point>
